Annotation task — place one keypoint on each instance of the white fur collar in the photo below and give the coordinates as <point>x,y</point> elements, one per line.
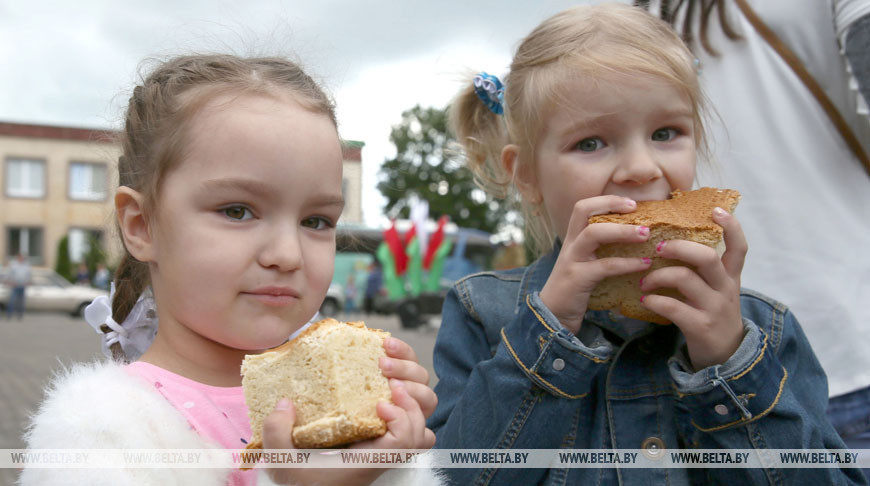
<point>100,406</point>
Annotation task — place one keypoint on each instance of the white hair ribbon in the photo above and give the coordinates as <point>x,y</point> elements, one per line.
<point>137,331</point>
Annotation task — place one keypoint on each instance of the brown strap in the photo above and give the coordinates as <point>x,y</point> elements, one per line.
<point>797,66</point>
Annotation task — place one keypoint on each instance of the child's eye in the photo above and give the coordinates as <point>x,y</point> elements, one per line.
<point>239,213</point>
<point>317,223</point>
<point>664,134</point>
<point>590,144</point>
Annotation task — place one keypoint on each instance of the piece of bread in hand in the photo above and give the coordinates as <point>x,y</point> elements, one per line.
<point>686,216</point>
<point>331,373</point>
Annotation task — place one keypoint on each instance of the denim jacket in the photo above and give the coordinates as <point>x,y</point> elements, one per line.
<point>510,376</point>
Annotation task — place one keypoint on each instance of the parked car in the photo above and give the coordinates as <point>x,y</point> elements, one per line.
<point>48,291</point>
<point>334,301</point>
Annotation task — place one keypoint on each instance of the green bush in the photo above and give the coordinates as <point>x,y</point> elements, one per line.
<point>94,255</point>
<point>63,265</point>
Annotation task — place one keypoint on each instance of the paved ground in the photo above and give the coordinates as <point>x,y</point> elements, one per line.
<point>42,343</point>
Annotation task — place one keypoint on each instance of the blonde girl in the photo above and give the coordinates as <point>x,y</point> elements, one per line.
<point>601,109</point>
<point>229,193</point>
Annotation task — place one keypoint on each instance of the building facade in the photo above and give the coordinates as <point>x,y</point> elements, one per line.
<point>59,181</point>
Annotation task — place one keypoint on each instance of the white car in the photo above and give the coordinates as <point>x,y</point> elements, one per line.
<point>334,301</point>
<point>48,291</point>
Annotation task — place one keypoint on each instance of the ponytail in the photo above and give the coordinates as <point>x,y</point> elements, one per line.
<point>482,135</point>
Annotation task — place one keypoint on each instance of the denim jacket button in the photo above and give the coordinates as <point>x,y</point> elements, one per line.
<point>652,447</point>
<point>721,409</point>
<point>558,364</point>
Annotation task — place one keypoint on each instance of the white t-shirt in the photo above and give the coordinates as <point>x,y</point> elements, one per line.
<point>19,273</point>
<point>806,199</point>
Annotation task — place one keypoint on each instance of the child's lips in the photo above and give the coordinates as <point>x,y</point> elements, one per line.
<point>274,296</point>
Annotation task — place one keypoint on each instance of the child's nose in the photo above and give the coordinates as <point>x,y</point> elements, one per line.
<point>282,251</point>
<point>638,165</point>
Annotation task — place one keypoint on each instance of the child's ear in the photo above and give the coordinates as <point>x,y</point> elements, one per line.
<point>522,175</point>
<point>129,205</point>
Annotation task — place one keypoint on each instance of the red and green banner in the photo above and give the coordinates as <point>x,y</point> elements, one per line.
<point>396,248</point>
<point>415,263</point>
<point>404,263</point>
<point>437,251</point>
<point>394,260</point>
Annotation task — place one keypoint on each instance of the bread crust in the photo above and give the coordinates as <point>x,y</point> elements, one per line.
<point>333,427</point>
<point>686,216</point>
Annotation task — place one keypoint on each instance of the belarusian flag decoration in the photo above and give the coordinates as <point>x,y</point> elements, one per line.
<point>394,261</point>
<point>436,252</point>
<point>415,262</point>
<point>403,262</point>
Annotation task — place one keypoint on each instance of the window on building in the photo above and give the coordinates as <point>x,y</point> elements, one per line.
<point>27,240</point>
<point>80,240</point>
<point>87,181</point>
<point>25,177</point>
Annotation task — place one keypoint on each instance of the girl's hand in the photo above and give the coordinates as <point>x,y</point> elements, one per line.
<point>413,401</point>
<point>406,426</point>
<point>402,364</point>
<point>406,429</point>
<point>710,317</point>
<point>277,434</point>
<point>578,270</point>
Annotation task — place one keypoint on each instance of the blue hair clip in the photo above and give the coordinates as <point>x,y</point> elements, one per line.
<point>490,90</point>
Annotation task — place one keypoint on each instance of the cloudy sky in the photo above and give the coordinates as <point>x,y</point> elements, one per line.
<point>73,63</point>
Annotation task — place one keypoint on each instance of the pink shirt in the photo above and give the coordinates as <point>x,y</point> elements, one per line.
<point>216,413</point>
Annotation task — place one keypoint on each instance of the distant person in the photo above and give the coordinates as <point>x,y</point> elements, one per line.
<point>374,282</point>
<point>82,276</point>
<point>101,277</point>
<point>18,279</point>
<point>602,108</point>
<point>806,195</point>
<point>229,191</point>
<point>350,294</point>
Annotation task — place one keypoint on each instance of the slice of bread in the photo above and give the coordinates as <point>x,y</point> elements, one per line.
<point>686,216</point>
<point>330,371</point>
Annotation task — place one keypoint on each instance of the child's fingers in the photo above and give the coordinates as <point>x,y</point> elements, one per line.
<point>424,396</point>
<point>595,235</point>
<point>398,425</point>
<point>678,312</point>
<point>402,432</point>
<point>696,291</point>
<point>703,258</point>
<point>585,208</point>
<point>597,270</point>
<point>736,246</point>
<point>403,400</point>
<point>396,348</point>
<point>428,439</point>
<point>404,370</point>
<point>278,426</point>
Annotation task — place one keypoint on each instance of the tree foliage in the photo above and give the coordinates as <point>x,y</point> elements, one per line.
<point>63,265</point>
<point>95,254</point>
<point>427,165</point>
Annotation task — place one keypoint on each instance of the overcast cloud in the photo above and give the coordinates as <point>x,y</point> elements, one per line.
<point>73,63</point>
